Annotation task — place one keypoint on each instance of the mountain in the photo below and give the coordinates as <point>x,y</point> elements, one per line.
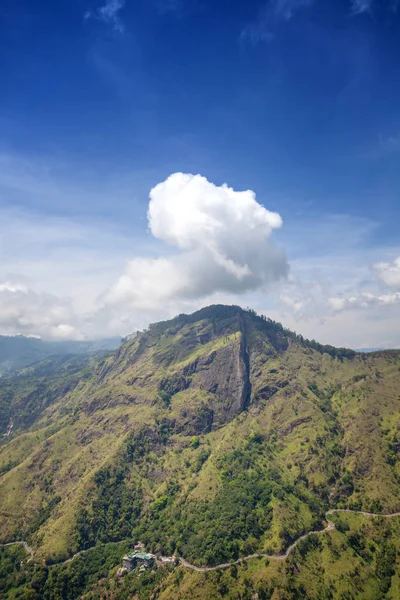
<point>214,436</point>
<point>17,352</point>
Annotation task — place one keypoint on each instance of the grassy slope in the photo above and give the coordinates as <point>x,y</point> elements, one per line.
<point>318,430</point>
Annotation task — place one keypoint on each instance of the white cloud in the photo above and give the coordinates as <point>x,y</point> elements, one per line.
<point>221,239</point>
<point>321,297</point>
<point>364,300</point>
<point>285,9</point>
<point>217,240</point>
<point>376,327</point>
<point>271,15</point>
<point>59,258</point>
<point>304,299</point>
<point>22,310</point>
<point>64,255</point>
<point>384,146</point>
<point>364,6</point>
<point>361,6</point>
<point>333,294</point>
<point>389,273</point>
<point>274,13</point>
<point>109,14</point>
<point>85,276</point>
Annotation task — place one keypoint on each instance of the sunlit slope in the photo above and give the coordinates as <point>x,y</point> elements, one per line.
<point>212,435</point>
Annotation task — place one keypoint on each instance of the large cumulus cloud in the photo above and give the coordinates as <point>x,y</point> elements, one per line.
<point>219,239</point>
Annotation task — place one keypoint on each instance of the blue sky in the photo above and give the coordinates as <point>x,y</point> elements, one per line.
<point>297,100</point>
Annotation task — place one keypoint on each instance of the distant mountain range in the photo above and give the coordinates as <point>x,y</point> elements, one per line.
<point>370,349</point>
<point>18,352</point>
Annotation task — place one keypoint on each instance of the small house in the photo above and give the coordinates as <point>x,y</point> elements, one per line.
<point>131,561</point>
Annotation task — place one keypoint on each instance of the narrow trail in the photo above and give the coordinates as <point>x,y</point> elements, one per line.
<point>76,555</point>
<point>330,527</point>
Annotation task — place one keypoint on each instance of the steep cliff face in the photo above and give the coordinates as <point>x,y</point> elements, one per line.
<point>214,360</point>
<point>225,375</point>
<point>223,351</point>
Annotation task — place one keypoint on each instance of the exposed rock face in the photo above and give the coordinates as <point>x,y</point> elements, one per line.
<point>225,374</point>
<point>219,371</point>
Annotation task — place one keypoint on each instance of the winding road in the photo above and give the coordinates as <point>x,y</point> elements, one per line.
<point>22,543</point>
<point>330,526</point>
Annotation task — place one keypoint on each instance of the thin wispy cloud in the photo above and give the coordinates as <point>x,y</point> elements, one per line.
<point>361,6</point>
<point>271,15</point>
<point>386,146</point>
<point>285,9</point>
<point>275,13</point>
<point>383,147</point>
<point>109,14</point>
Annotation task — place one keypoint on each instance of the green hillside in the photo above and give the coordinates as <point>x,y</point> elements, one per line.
<point>212,436</point>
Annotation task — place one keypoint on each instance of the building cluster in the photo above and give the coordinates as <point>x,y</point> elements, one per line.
<point>141,559</point>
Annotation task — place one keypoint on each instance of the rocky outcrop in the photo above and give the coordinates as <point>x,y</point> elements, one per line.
<point>195,421</point>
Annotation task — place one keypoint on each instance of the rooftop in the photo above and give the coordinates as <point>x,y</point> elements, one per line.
<point>140,555</point>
